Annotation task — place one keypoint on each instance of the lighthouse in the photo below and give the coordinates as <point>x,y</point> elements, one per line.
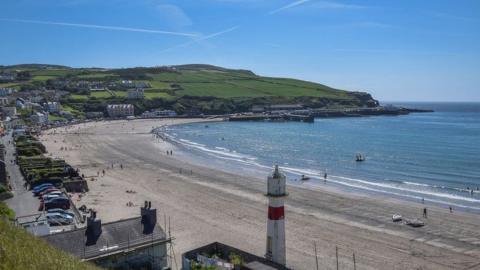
<point>276,194</point>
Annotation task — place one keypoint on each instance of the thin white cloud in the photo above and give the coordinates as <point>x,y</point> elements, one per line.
<point>218,33</point>
<point>335,5</point>
<point>174,16</point>
<point>317,5</point>
<point>202,38</point>
<point>104,27</point>
<point>291,5</point>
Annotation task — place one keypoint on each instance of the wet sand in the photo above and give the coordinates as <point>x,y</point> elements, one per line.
<point>207,205</point>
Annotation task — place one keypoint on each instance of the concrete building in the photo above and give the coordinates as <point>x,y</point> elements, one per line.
<point>133,84</point>
<point>39,118</point>
<point>120,110</point>
<point>13,122</point>
<point>9,111</point>
<point>6,91</point>
<point>136,93</point>
<point>224,257</point>
<point>36,99</point>
<point>158,114</point>
<point>53,107</point>
<point>7,77</point>
<point>4,101</point>
<point>276,193</point>
<point>134,243</point>
<point>20,103</point>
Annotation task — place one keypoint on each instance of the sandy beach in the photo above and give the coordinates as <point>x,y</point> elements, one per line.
<point>207,205</point>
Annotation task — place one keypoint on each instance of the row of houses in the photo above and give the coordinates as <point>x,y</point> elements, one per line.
<point>6,91</point>
<point>7,77</point>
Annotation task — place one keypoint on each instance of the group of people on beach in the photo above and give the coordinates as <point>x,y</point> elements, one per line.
<point>169,152</point>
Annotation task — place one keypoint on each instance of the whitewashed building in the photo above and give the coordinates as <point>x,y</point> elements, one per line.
<point>120,110</point>
<point>4,101</point>
<point>53,107</point>
<point>6,91</point>
<point>136,94</point>
<point>155,114</point>
<point>39,118</point>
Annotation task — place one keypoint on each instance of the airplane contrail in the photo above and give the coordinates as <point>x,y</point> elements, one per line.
<point>291,5</point>
<point>201,38</point>
<point>105,27</point>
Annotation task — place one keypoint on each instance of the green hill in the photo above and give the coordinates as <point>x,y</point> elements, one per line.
<point>195,87</point>
<point>20,250</point>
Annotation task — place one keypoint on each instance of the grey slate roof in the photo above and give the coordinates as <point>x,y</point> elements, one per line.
<point>115,236</point>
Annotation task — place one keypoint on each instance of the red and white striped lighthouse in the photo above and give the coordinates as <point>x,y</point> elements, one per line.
<point>276,217</point>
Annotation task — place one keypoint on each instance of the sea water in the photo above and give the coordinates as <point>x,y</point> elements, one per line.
<point>430,157</point>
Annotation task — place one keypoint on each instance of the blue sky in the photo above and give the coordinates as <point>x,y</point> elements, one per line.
<point>404,50</point>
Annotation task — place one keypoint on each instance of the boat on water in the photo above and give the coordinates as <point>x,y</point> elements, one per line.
<point>359,158</point>
<point>304,178</point>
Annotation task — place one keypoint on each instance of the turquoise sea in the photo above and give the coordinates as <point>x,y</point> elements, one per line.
<point>429,156</point>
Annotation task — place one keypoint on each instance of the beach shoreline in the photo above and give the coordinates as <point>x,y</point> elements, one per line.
<point>208,205</point>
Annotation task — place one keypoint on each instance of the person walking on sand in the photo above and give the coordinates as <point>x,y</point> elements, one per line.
<point>103,172</point>
<point>451,209</point>
<point>325,177</point>
<point>425,212</point>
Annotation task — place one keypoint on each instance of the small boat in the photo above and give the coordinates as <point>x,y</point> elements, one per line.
<point>359,158</point>
<point>397,218</point>
<point>414,223</point>
<point>304,178</point>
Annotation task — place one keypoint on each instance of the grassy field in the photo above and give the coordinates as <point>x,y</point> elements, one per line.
<point>151,94</point>
<point>42,78</point>
<point>96,75</point>
<point>159,85</point>
<point>53,118</point>
<point>75,112</point>
<point>6,85</point>
<point>100,94</point>
<point>53,72</point>
<point>184,88</point>
<point>79,97</point>
<point>20,250</point>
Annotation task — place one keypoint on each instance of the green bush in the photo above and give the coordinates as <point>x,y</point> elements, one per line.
<point>6,212</point>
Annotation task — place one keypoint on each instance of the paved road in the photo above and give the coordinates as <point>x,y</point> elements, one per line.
<point>23,202</point>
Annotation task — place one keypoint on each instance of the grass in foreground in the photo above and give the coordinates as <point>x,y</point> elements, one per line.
<point>20,250</point>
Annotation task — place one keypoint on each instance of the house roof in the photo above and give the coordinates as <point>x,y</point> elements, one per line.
<point>122,235</point>
<point>251,262</point>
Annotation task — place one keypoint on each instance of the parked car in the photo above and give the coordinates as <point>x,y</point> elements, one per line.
<point>59,219</point>
<point>59,202</point>
<point>36,188</point>
<point>50,196</point>
<point>61,211</point>
<point>48,191</point>
<point>54,192</point>
<point>42,188</point>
